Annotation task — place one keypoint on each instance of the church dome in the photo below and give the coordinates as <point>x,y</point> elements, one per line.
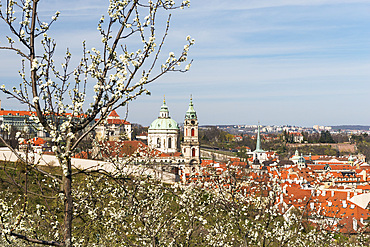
<point>164,124</point>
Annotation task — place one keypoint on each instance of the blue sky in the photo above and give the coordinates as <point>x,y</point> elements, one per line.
<point>278,62</point>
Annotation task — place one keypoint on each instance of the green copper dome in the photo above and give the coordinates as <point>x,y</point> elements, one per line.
<point>191,113</point>
<point>164,124</point>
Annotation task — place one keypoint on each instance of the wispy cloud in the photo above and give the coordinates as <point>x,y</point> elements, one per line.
<point>256,59</point>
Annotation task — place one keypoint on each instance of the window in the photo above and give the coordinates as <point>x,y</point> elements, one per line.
<point>158,143</point>
<point>169,143</point>
<point>192,132</point>
<point>193,152</point>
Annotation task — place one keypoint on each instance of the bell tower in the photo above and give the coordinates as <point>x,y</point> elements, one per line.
<point>190,146</point>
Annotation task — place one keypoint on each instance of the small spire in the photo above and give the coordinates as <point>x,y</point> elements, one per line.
<point>164,113</point>
<point>191,100</point>
<point>258,144</point>
<point>190,113</point>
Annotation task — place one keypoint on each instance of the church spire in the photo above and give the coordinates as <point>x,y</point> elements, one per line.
<point>258,145</point>
<point>164,112</point>
<point>191,113</point>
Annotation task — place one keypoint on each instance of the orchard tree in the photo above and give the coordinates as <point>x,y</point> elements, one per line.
<point>59,94</point>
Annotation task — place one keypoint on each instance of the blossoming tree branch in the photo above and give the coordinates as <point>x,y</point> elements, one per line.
<point>58,94</point>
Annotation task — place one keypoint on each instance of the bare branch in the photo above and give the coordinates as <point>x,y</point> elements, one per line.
<point>16,50</point>
<point>34,240</point>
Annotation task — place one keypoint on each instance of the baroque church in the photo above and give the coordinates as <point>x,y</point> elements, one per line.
<point>163,135</point>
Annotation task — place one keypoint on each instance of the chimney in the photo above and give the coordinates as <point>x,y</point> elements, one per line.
<point>354,224</point>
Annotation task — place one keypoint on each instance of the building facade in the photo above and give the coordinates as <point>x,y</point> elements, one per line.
<point>163,132</point>
<point>114,129</point>
<point>17,119</point>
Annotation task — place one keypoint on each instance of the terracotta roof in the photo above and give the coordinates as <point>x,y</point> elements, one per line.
<point>332,166</point>
<point>36,141</point>
<point>176,154</point>
<point>122,148</point>
<point>295,133</point>
<point>113,114</point>
<point>346,225</point>
<point>15,113</point>
<point>117,121</point>
<point>82,155</point>
<point>128,148</point>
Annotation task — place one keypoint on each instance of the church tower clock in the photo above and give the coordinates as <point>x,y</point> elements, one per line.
<point>190,146</point>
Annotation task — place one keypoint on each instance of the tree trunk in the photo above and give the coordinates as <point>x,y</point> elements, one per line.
<point>68,205</point>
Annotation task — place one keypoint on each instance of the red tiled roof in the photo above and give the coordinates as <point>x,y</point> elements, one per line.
<point>82,155</point>
<point>16,113</point>
<point>295,133</point>
<point>121,148</point>
<point>117,121</point>
<point>346,225</point>
<point>332,166</point>
<point>36,141</point>
<point>113,114</point>
<point>176,154</point>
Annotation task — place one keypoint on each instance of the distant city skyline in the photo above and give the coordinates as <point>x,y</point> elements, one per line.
<point>279,62</point>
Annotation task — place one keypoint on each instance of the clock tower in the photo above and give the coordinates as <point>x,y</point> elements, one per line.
<point>190,146</point>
